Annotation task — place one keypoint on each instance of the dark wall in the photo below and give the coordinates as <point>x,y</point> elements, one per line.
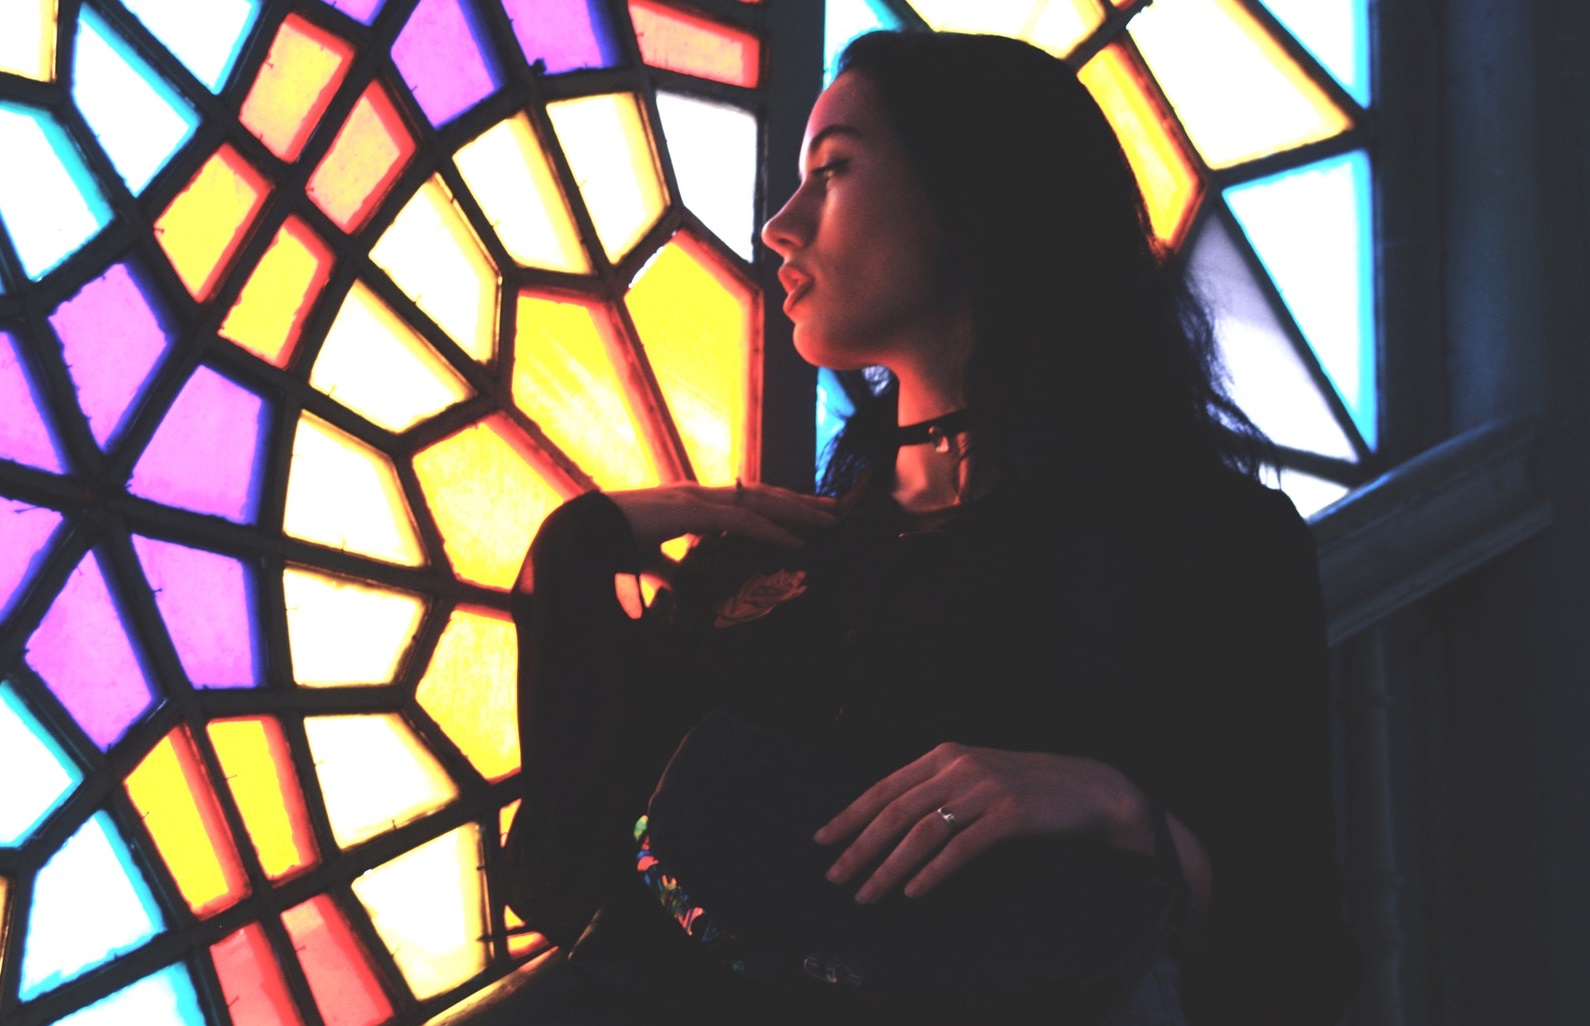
<point>1491,677</point>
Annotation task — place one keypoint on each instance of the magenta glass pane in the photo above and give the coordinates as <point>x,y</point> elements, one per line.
<point>23,434</point>
<point>24,530</point>
<point>112,339</point>
<point>84,654</point>
<point>206,600</point>
<point>565,34</point>
<point>441,59</point>
<point>364,10</point>
<point>205,455</point>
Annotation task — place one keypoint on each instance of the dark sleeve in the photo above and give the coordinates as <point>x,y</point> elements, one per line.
<point>593,736</point>
<point>1247,768</point>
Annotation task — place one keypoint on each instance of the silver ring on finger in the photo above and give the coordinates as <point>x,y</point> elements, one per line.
<point>949,818</point>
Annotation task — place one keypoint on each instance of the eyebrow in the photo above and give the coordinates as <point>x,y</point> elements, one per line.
<point>828,132</point>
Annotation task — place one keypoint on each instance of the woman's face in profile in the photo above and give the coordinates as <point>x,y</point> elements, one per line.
<point>862,247</point>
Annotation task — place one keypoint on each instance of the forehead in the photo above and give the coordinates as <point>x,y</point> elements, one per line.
<point>849,103</point>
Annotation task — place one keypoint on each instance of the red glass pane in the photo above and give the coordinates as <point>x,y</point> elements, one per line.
<point>337,966</point>
<point>365,158</point>
<point>305,66</point>
<point>251,980</point>
<point>695,45</point>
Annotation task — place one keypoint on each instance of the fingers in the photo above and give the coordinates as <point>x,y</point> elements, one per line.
<point>874,799</point>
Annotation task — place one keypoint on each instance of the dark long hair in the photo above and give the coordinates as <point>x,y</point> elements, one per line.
<point>1093,359</point>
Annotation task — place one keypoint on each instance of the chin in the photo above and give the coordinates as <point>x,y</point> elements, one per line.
<point>822,350</point>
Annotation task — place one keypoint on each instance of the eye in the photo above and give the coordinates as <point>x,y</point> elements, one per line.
<point>827,171</point>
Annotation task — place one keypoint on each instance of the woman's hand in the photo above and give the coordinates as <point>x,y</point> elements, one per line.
<point>935,815</point>
<point>763,512</point>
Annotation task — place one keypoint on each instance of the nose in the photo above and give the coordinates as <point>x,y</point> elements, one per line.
<point>782,232</point>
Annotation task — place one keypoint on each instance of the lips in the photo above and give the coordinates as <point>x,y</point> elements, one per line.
<point>796,284</point>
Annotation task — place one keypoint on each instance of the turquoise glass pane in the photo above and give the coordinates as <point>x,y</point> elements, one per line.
<point>204,36</point>
<point>113,338</point>
<point>24,532</point>
<point>440,57</point>
<point>24,435</point>
<point>85,655</point>
<point>844,20</point>
<point>37,771</point>
<point>49,201</point>
<point>140,120</point>
<point>1336,32</point>
<point>833,409</point>
<point>206,453</point>
<point>206,600</point>
<point>165,999</point>
<point>90,903</point>
<point>1312,228</point>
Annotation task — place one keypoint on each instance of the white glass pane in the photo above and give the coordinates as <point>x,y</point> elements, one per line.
<point>1336,32</point>
<point>139,119</point>
<point>847,19</point>
<point>1312,228</point>
<point>1268,378</point>
<point>713,146</point>
<point>205,36</point>
<point>49,201</point>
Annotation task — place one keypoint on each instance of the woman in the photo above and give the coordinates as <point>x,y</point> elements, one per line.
<point>1041,593</point>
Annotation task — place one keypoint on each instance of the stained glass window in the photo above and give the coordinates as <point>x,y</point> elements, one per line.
<point>311,311</point>
<point>1245,123</point>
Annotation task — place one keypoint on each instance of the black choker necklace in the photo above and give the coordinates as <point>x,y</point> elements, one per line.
<point>938,430</point>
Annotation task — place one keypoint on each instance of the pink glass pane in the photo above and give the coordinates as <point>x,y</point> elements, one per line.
<point>24,530</point>
<point>205,454</point>
<point>23,434</point>
<point>112,340</point>
<point>206,601</point>
<point>82,651</point>
<point>251,980</point>
<point>338,969</point>
<point>564,34</point>
<point>441,60</point>
<point>364,10</point>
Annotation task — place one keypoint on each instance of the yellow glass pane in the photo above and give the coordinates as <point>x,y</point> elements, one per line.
<point>27,38</point>
<point>295,84</point>
<point>1055,25</point>
<point>565,380</point>
<point>1166,172</point>
<point>259,772</point>
<point>210,218</point>
<point>615,164</point>
<point>698,321</point>
<point>269,314</point>
<point>432,254</point>
<point>345,494</point>
<point>1261,102</point>
<point>344,632</point>
<point>507,170</point>
<point>505,819</point>
<point>375,773</point>
<point>376,365</point>
<point>471,689</point>
<point>487,498</point>
<point>173,796</point>
<point>429,907</point>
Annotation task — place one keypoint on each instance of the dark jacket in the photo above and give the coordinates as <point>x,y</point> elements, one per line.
<point>1180,641</point>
